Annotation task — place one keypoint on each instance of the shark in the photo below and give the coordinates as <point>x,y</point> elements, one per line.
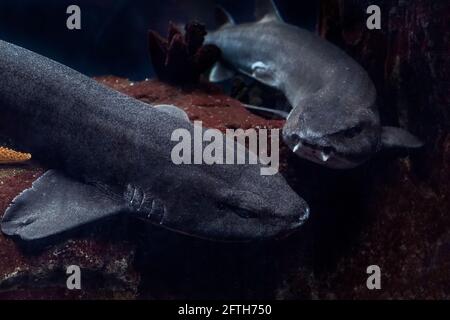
<point>334,120</point>
<point>109,154</point>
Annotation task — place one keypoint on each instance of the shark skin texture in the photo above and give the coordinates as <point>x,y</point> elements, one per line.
<point>110,154</point>
<point>334,119</point>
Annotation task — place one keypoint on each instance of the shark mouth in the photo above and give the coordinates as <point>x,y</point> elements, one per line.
<point>327,155</point>
<point>322,153</point>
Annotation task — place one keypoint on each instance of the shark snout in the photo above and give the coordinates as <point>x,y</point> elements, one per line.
<point>293,210</point>
<point>273,210</point>
<point>250,207</point>
<point>269,222</point>
<point>292,213</point>
<point>273,197</point>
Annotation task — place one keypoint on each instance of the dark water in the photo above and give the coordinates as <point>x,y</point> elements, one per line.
<point>113,38</point>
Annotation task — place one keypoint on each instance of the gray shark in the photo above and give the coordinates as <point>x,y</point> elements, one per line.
<point>334,119</point>
<point>109,153</point>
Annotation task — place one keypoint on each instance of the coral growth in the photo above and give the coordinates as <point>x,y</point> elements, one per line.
<point>8,156</point>
<point>182,58</point>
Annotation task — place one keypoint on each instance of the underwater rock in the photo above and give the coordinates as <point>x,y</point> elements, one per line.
<point>181,58</point>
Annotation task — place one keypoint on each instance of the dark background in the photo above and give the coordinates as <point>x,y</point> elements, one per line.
<point>113,37</point>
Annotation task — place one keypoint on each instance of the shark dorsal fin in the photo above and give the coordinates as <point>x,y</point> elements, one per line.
<point>223,17</point>
<point>173,111</point>
<point>266,10</point>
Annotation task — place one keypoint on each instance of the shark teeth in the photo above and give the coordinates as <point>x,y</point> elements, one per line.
<point>297,146</point>
<point>325,156</point>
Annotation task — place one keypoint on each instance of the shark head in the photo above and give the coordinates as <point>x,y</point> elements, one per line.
<point>224,202</point>
<point>340,136</point>
<point>233,203</point>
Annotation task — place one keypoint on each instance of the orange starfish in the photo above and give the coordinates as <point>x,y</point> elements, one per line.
<point>8,156</point>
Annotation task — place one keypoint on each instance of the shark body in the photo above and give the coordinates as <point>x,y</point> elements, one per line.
<point>109,153</point>
<point>334,118</point>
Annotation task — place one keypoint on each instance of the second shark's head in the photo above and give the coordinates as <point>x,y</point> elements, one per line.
<point>340,136</point>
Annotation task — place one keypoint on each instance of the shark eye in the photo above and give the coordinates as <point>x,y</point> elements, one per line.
<point>243,213</point>
<point>352,132</point>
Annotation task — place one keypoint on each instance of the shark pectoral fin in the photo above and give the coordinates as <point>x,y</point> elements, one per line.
<point>266,10</point>
<point>173,111</point>
<point>54,204</point>
<point>220,73</point>
<point>223,17</point>
<point>392,137</point>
